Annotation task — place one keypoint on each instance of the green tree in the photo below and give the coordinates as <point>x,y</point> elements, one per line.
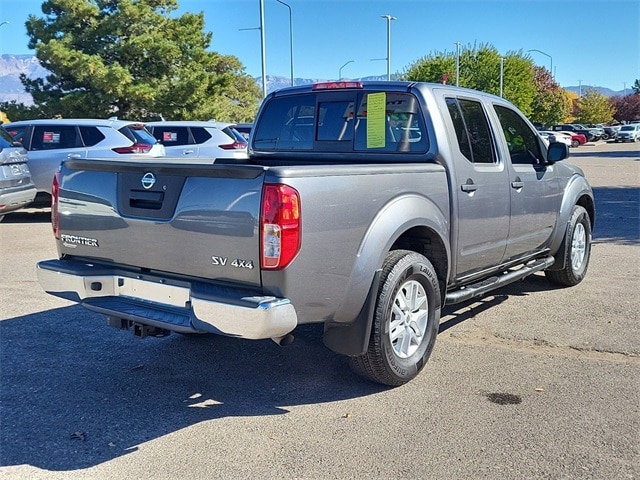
<point>480,69</point>
<point>131,59</point>
<point>636,87</point>
<point>593,107</point>
<point>549,105</point>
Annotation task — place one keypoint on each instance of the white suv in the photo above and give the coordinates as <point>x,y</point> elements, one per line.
<point>205,141</point>
<point>49,142</point>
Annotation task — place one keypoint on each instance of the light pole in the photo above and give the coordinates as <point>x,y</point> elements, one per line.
<point>290,37</point>
<point>457,64</point>
<point>6,21</point>
<point>389,18</point>
<point>501,74</point>
<point>262,48</point>
<point>340,70</point>
<point>550,58</point>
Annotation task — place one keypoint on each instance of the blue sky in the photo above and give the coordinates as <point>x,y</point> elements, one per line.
<point>589,42</point>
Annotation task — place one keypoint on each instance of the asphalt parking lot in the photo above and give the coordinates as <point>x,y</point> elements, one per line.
<point>531,382</point>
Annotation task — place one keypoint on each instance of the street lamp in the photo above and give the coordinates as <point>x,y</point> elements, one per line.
<point>550,58</point>
<point>389,18</point>
<point>501,74</point>
<point>290,37</point>
<point>457,64</point>
<point>340,70</point>
<point>262,48</point>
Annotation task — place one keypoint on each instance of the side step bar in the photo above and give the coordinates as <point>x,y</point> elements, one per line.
<point>481,288</point>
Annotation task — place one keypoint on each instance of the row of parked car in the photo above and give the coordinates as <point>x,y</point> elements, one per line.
<point>46,143</point>
<point>574,134</point>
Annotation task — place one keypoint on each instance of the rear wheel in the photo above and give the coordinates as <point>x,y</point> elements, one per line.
<point>405,323</point>
<point>577,245</point>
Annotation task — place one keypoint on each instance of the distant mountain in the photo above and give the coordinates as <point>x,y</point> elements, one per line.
<point>11,66</point>
<point>607,92</point>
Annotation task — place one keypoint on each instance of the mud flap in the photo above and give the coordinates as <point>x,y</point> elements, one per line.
<point>353,338</point>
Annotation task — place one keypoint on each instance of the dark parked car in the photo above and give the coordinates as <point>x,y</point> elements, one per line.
<point>591,134</point>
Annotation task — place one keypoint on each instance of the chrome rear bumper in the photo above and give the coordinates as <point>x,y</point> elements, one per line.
<point>167,304</point>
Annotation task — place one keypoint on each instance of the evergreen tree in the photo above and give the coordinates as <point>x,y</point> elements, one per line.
<point>132,59</point>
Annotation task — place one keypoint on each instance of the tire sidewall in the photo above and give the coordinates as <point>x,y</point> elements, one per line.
<point>579,216</point>
<point>410,267</point>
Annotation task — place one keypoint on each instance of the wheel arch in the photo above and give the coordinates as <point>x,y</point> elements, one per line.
<point>577,192</point>
<point>410,222</point>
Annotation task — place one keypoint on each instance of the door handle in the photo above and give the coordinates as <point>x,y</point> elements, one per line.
<point>72,156</point>
<point>469,186</point>
<point>187,152</point>
<point>517,183</point>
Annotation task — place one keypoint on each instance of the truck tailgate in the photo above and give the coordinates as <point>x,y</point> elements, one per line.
<point>193,220</point>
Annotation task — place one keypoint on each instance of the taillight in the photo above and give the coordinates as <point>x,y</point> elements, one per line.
<point>55,197</point>
<point>234,146</point>
<point>135,148</point>
<point>280,226</point>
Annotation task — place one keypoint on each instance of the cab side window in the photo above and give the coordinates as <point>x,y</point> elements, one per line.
<point>523,144</point>
<point>472,130</point>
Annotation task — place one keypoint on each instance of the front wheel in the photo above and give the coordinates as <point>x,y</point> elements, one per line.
<point>405,322</point>
<point>577,245</point>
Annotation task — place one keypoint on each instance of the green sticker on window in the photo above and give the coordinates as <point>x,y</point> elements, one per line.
<point>376,110</point>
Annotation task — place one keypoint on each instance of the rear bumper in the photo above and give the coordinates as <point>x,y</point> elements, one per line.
<point>13,198</point>
<point>169,303</point>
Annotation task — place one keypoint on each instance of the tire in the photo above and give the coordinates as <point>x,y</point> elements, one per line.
<point>575,143</point>
<point>577,246</point>
<point>405,322</point>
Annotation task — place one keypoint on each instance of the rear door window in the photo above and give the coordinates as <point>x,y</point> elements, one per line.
<point>472,130</point>
<point>55,137</point>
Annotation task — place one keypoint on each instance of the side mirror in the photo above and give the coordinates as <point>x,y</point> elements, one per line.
<point>557,151</point>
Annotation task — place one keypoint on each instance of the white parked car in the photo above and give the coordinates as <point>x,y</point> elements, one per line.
<point>560,137</point>
<point>205,141</point>
<point>629,132</point>
<point>49,142</point>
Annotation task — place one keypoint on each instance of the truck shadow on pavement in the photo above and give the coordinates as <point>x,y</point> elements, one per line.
<point>617,215</point>
<point>76,393</point>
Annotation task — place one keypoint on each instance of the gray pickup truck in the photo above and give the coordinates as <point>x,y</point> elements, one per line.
<point>363,206</point>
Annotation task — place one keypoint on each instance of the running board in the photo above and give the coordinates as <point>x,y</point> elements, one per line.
<point>481,288</point>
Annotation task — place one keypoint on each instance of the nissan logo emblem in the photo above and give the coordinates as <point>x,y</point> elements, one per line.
<point>148,180</point>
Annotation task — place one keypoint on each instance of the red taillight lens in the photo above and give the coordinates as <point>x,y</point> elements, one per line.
<point>335,85</point>
<point>55,196</point>
<point>280,226</point>
<point>233,146</point>
<point>135,148</point>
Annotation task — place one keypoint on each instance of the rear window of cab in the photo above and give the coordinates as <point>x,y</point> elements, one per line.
<point>377,122</point>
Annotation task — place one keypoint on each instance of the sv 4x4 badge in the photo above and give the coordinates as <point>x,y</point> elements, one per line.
<point>237,263</point>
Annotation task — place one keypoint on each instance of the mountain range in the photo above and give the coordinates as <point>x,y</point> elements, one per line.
<point>11,66</point>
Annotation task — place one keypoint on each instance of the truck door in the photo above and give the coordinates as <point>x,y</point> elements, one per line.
<point>533,185</point>
<point>481,189</point>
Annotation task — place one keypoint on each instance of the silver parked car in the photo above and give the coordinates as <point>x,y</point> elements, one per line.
<point>206,141</point>
<point>49,142</point>
<point>629,132</point>
<point>16,188</point>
